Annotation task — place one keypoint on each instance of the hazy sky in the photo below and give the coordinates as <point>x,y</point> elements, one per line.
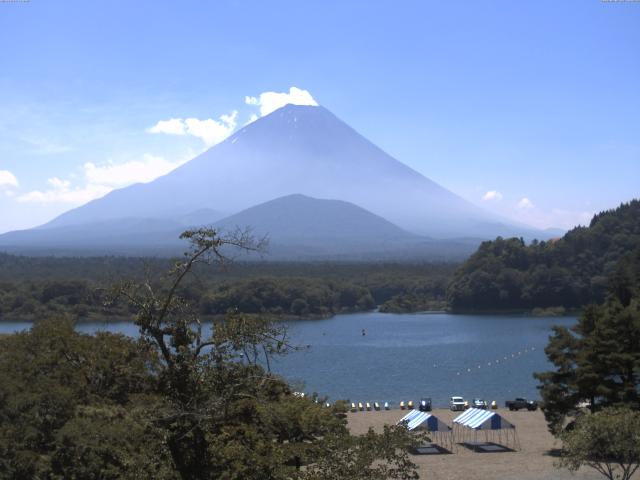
<point>530,109</point>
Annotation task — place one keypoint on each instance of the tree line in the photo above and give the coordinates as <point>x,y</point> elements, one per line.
<point>33,288</point>
<point>504,274</point>
<point>569,272</point>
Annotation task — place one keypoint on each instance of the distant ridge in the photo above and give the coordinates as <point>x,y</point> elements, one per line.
<point>301,226</point>
<point>294,150</point>
<point>297,227</point>
<point>306,220</point>
<point>298,149</point>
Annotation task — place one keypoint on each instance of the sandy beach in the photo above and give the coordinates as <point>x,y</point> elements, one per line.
<point>534,460</point>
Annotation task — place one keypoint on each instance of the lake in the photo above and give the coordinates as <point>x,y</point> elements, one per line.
<point>407,356</point>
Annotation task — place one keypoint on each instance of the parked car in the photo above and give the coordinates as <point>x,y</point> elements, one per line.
<point>519,403</point>
<point>479,403</point>
<point>425,405</point>
<point>456,403</point>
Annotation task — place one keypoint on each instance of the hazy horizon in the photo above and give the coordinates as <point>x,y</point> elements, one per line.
<point>532,118</point>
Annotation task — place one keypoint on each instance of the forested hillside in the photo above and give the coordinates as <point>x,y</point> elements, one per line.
<point>569,272</point>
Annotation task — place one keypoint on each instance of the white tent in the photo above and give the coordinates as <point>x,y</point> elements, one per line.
<point>495,428</point>
<point>440,432</point>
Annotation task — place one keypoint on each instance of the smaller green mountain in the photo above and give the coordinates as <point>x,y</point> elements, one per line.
<point>507,274</point>
<point>303,228</point>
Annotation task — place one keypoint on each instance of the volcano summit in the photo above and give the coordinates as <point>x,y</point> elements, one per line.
<point>304,150</point>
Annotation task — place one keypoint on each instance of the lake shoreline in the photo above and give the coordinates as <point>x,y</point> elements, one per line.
<point>390,357</point>
<point>293,318</point>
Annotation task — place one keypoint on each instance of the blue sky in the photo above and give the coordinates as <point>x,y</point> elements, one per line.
<point>529,109</point>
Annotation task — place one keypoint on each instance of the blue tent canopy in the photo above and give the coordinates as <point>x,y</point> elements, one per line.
<point>479,419</point>
<point>496,429</point>
<point>439,431</point>
<point>424,420</point>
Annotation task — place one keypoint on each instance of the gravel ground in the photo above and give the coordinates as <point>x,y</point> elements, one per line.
<point>534,460</point>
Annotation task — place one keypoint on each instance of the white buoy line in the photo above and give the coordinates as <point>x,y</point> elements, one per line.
<point>409,405</point>
<point>497,362</point>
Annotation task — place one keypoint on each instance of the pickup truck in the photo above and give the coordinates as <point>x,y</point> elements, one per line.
<point>425,405</point>
<point>519,403</point>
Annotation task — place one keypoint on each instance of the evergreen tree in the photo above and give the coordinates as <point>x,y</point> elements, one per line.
<point>597,360</point>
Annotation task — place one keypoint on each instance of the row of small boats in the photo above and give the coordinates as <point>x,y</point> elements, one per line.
<point>355,407</point>
<point>366,406</point>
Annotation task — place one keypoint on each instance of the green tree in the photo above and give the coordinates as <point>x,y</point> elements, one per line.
<point>111,442</point>
<point>598,359</point>
<point>224,415</point>
<point>607,441</point>
<point>367,457</point>
<point>54,378</point>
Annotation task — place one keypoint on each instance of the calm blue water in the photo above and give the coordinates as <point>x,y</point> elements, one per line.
<point>407,356</point>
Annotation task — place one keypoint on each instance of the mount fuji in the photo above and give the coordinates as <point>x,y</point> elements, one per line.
<point>295,152</point>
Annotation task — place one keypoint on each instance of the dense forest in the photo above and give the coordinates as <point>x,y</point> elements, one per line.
<point>569,272</point>
<point>504,274</point>
<point>36,287</point>
<point>174,404</point>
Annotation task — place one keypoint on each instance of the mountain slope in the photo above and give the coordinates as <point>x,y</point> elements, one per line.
<point>298,227</point>
<point>127,235</point>
<point>298,149</point>
<point>306,220</point>
<point>305,228</point>
<point>301,226</point>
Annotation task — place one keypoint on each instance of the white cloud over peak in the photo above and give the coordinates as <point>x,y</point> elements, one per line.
<point>148,168</point>
<point>252,118</point>
<point>492,195</point>
<point>60,191</point>
<point>270,101</point>
<point>7,179</point>
<point>213,131</point>
<point>525,204</point>
<point>173,126</point>
<point>210,131</point>
<point>101,179</point>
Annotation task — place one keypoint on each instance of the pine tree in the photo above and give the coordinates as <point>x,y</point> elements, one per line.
<point>597,360</point>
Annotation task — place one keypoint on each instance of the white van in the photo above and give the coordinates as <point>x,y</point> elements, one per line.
<point>456,403</point>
